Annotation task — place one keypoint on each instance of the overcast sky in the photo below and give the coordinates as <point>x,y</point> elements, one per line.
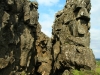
<point>48,8</point>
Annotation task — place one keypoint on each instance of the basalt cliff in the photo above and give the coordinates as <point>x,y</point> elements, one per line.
<point>25,50</point>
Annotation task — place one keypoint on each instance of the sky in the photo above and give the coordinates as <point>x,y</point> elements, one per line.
<point>48,8</point>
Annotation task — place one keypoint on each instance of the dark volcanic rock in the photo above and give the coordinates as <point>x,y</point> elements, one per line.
<point>23,47</point>
<point>71,37</point>
<point>25,50</point>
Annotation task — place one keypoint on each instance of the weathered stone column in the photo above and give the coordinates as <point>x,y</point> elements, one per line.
<point>71,30</point>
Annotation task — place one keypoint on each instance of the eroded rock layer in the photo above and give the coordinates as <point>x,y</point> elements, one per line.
<point>71,37</point>
<point>25,50</point>
<point>22,44</point>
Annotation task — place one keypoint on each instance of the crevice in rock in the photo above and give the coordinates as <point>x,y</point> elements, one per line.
<point>25,49</point>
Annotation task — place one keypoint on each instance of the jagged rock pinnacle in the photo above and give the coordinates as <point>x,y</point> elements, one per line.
<point>24,49</point>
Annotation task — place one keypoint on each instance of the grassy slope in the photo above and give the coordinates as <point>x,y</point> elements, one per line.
<point>98,67</point>
<point>96,72</point>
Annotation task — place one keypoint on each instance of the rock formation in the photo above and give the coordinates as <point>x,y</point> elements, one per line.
<point>25,50</point>
<point>71,37</point>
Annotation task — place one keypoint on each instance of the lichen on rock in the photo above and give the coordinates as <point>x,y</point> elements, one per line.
<point>26,50</point>
<point>71,29</point>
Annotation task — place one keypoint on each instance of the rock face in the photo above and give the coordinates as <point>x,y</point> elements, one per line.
<point>71,37</point>
<point>25,50</point>
<point>22,44</point>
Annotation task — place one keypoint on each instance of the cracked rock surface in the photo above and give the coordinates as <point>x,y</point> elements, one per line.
<point>25,50</point>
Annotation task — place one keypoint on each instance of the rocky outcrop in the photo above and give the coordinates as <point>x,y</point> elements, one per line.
<point>71,37</point>
<point>21,39</point>
<point>25,50</point>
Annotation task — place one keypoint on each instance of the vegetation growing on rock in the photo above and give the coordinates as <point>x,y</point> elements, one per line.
<point>24,49</point>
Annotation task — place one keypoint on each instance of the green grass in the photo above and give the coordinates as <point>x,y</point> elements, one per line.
<point>97,70</point>
<point>87,72</point>
<point>98,63</point>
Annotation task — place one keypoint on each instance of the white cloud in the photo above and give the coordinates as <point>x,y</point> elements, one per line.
<point>47,32</point>
<point>95,6</point>
<point>95,34</point>
<point>46,27</point>
<point>95,41</point>
<point>95,27</point>
<point>97,53</point>
<point>48,2</point>
<point>46,21</point>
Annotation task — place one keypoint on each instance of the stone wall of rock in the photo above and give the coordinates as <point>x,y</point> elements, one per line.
<point>22,44</point>
<point>25,50</point>
<point>71,37</point>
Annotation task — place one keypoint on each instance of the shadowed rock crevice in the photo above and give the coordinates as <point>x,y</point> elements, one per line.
<point>25,50</point>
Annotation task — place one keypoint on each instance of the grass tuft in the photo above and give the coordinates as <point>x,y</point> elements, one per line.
<point>88,72</point>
